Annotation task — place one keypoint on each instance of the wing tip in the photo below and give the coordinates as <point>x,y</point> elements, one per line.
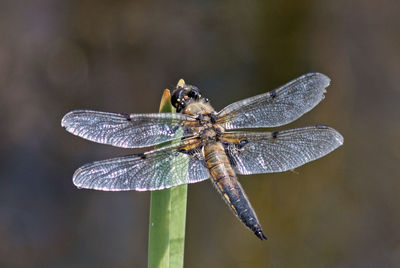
<point>75,177</point>
<point>64,120</point>
<point>324,80</point>
<point>338,137</point>
<point>78,179</point>
<point>321,80</point>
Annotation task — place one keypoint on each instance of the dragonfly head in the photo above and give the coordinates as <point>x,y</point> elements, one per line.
<point>183,94</point>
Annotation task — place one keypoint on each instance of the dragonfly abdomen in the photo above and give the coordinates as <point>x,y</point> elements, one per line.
<point>227,184</point>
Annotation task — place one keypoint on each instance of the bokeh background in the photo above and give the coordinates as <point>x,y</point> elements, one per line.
<point>340,211</point>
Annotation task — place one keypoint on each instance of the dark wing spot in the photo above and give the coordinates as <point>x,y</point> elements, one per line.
<point>321,126</point>
<point>182,151</point>
<point>185,151</point>
<point>127,117</point>
<point>243,143</point>
<point>175,128</point>
<point>272,93</point>
<point>142,156</point>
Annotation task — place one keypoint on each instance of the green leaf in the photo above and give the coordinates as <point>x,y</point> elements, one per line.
<point>167,217</point>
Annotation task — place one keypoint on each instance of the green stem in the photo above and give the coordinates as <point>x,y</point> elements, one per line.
<point>167,218</point>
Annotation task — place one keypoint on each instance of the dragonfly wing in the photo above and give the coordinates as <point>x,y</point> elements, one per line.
<point>277,107</point>
<point>279,151</point>
<point>154,170</point>
<point>126,130</point>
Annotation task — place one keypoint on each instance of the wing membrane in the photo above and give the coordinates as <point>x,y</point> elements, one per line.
<point>126,130</point>
<point>154,170</point>
<point>277,107</point>
<point>279,151</point>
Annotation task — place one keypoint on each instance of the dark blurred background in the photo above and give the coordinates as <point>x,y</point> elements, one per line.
<point>55,56</point>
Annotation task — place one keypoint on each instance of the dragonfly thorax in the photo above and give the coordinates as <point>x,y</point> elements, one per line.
<point>209,130</point>
<point>200,107</point>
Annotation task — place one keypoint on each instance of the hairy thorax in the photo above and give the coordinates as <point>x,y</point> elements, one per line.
<point>208,130</point>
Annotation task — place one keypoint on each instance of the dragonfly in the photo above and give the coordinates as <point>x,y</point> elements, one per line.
<point>199,143</point>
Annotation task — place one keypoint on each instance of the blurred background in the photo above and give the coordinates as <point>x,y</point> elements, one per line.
<point>55,56</point>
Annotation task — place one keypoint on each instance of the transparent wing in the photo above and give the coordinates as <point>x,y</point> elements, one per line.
<point>127,130</point>
<point>279,151</point>
<point>277,107</point>
<point>154,170</point>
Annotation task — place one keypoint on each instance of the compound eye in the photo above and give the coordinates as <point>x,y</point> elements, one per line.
<point>194,94</point>
<point>175,100</point>
<point>191,94</point>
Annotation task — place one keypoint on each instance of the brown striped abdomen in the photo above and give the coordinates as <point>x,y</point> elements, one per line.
<point>227,184</point>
